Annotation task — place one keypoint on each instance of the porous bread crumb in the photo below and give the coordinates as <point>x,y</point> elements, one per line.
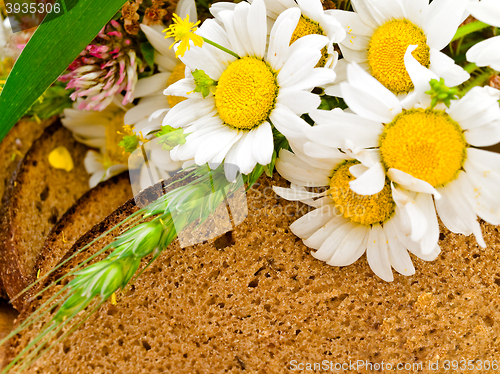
<point>255,299</point>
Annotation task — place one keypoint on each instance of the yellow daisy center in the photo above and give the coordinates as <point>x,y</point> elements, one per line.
<point>387,49</point>
<point>114,153</point>
<point>426,144</point>
<point>246,93</point>
<point>362,209</point>
<point>177,75</point>
<point>307,26</point>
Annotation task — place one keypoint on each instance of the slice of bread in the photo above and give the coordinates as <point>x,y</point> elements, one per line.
<point>89,210</point>
<point>37,196</point>
<point>255,300</point>
<point>12,150</point>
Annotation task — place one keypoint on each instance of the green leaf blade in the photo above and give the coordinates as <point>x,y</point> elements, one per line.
<point>52,48</point>
<point>469,29</point>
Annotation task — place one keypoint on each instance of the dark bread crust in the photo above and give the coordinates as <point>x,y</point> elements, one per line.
<point>34,200</point>
<point>13,148</point>
<point>256,299</point>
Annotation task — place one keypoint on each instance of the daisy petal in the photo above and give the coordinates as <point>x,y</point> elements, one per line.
<point>477,108</point>
<point>257,27</point>
<point>221,138</point>
<point>292,168</point>
<point>336,127</point>
<point>421,77</point>
<point>486,53</point>
<point>296,195</point>
<point>455,210</point>
<point>377,254</point>
<point>159,42</point>
<point>486,11</point>
<point>445,67</point>
<point>415,10</point>
<point>96,178</point>
<point>262,149</point>
<point>371,182</point>
<point>398,254</point>
<point>183,115</point>
<point>352,23</point>
<point>364,11</point>
<point>411,183</point>
<point>351,248</point>
<point>279,40</point>
<point>417,219</point>
<point>149,85</point>
<point>307,225</point>
<point>237,35</point>
<point>431,236</point>
<point>187,8</point>
<point>442,20</point>
<point>288,123</point>
<point>298,66</point>
<point>489,162</point>
<point>218,7</point>
<point>330,244</point>
<point>386,105</point>
<point>484,136</point>
<point>299,102</point>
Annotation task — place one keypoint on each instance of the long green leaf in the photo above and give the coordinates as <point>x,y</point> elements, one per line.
<point>51,49</point>
<point>469,29</point>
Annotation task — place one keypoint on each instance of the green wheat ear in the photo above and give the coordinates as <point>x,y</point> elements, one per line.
<point>91,286</point>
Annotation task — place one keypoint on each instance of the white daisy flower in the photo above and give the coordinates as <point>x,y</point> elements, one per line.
<point>313,20</point>
<point>99,167</point>
<point>104,130</point>
<point>487,52</point>
<point>380,31</point>
<point>269,83</point>
<point>99,130</point>
<point>345,224</point>
<point>422,149</point>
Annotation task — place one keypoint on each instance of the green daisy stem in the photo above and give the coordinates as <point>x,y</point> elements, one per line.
<point>220,47</point>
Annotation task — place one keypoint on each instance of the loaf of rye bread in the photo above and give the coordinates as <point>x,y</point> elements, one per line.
<point>36,197</point>
<point>255,300</point>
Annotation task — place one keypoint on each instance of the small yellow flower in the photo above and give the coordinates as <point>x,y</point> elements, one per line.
<point>184,31</point>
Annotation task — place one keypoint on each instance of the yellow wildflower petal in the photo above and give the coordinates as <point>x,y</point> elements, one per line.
<point>60,158</point>
<point>183,31</point>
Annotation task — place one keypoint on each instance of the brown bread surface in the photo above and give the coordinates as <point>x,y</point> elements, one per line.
<point>37,196</point>
<point>254,300</point>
